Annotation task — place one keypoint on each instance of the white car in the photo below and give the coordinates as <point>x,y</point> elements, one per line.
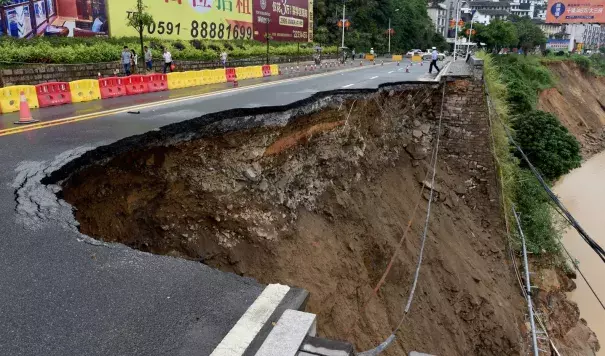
<point>413,52</point>
<point>429,56</point>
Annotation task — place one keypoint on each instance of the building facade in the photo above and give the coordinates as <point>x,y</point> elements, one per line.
<point>438,14</point>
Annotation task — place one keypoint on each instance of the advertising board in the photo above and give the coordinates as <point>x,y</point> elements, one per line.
<point>187,19</point>
<point>575,11</point>
<point>283,20</point>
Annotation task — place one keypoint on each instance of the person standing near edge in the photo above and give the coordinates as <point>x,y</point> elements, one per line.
<point>148,59</point>
<point>434,57</point>
<point>126,60</point>
<point>167,60</point>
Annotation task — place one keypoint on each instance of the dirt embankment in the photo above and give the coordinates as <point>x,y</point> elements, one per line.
<point>321,204</point>
<point>579,102</point>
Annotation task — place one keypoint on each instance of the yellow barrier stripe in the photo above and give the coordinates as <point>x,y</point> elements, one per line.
<point>51,123</point>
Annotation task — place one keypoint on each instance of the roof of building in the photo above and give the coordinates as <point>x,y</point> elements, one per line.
<point>489,3</point>
<point>494,12</point>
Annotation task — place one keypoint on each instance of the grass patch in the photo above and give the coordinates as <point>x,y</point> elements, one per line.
<point>507,80</point>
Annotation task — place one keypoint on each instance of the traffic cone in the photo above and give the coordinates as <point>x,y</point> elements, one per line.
<point>421,64</point>
<point>407,69</point>
<point>305,67</point>
<point>373,62</point>
<point>382,63</point>
<point>279,71</point>
<point>235,84</point>
<point>397,64</point>
<point>25,116</point>
<point>361,63</point>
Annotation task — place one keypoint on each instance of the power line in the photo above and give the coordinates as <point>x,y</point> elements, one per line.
<point>530,307</point>
<point>566,214</point>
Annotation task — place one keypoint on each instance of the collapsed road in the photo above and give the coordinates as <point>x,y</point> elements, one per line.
<point>71,293</point>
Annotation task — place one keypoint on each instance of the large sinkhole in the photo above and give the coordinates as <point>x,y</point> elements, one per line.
<point>315,197</point>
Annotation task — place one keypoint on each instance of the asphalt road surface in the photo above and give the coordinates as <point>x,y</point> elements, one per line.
<point>63,293</point>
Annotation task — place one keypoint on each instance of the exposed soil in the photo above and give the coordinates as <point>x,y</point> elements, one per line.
<point>321,204</point>
<point>579,102</point>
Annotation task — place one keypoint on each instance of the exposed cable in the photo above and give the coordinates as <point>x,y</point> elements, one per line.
<point>377,350</point>
<point>566,214</point>
<point>507,223</point>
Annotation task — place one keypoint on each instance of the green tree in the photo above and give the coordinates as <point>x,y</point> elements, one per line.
<point>547,143</point>
<point>530,35</point>
<point>139,19</point>
<point>501,34</point>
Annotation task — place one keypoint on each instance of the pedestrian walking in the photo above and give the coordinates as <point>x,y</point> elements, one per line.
<point>434,57</point>
<point>167,60</point>
<point>135,60</point>
<point>148,58</point>
<point>126,60</point>
<point>224,58</point>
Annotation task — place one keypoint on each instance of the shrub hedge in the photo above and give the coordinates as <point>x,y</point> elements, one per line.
<point>66,50</point>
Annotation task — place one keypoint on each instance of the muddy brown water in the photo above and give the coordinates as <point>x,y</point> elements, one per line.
<point>583,193</point>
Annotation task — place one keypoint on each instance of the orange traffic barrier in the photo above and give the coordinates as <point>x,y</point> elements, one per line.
<point>25,116</point>
<point>230,74</point>
<point>111,87</point>
<point>53,93</point>
<point>266,70</point>
<point>235,84</point>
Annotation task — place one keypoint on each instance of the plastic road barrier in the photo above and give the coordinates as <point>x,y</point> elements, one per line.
<point>156,82</point>
<point>397,57</point>
<point>53,93</point>
<point>266,69</point>
<point>111,87</point>
<point>230,74</point>
<point>10,97</point>
<point>84,90</point>
<point>274,69</point>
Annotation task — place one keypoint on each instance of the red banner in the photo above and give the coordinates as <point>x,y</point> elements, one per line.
<point>283,20</point>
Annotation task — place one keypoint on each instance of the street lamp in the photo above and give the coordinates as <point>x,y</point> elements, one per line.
<point>468,42</point>
<point>456,28</point>
<point>390,31</point>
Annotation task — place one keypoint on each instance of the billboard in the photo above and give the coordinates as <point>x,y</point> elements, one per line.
<point>60,18</point>
<point>283,20</point>
<point>187,19</point>
<point>575,11</point>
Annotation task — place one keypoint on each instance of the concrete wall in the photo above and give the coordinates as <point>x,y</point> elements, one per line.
<point>467,141</point>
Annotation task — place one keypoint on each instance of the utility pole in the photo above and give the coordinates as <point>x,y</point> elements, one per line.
<point>389,35</point>
<point>267,36</point>
<point>456,29</point>
<point>390,29</point>
<point>342,45</point>
<point>468,42</point>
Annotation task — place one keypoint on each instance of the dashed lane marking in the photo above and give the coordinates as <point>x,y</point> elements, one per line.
<point>348,85</point>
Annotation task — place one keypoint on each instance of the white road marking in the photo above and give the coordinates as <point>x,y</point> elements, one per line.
<point>391,71</point>
<point>374,77</point>
<point>348,85</point>
<point>244,331</point>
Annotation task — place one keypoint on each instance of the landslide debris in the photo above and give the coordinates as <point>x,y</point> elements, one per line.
<point>321,203</point>
<point>579,103</point>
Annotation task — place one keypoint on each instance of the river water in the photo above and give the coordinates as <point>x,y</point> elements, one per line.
<point>583,194</point>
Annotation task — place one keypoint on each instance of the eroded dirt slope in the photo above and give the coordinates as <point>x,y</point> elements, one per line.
<point>579,102</point>
<point>321,204</point>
